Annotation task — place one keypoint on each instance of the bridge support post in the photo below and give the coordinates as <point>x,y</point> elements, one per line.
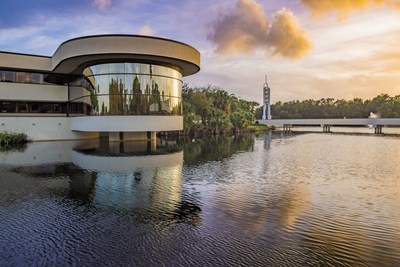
<point>287,128</point>
<point>326,128</point>
<point>378,129</point>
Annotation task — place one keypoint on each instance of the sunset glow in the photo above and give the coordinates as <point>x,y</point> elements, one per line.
<point>308,48</point>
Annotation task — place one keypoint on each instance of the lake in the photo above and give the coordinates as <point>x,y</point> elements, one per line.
<point>273,199</point>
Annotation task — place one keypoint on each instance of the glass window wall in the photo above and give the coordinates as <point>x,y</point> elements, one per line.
<point>133,89</point>
<point>33,77</point>
<point>7,107</point>
<point>7,76</point>
<point>77,108</point>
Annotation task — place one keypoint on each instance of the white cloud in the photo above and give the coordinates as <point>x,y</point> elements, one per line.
<point>146,30</point>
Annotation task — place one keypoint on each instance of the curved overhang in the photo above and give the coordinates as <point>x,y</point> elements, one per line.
<point>75,55</point>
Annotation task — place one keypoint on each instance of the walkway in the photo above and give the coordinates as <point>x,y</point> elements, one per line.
<point>326,124</point>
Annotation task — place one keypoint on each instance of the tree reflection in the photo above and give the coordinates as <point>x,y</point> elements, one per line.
<point>213,148</point>
<point>119,101</point>
<point>137,97</point>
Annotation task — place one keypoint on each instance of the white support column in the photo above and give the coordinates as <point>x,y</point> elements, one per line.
<point>131,136</point>
<point>114,137</point>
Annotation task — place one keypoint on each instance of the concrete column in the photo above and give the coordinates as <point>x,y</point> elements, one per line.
<point>131,136</point>
<point>114,137</point>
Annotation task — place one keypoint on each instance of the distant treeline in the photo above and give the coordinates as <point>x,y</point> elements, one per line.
<point>383,105</point>
<point>211,110</point>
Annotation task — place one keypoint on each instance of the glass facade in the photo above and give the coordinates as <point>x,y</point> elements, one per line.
<point>131,89</point>
<point>23,77</point>
<point>32,107</point>
<point>105,89</point>
<point>9,76</point>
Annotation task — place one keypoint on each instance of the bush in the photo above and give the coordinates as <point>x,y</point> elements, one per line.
<point>12,139</point>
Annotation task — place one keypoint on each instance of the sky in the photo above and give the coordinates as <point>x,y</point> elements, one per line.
<point>308,49</point>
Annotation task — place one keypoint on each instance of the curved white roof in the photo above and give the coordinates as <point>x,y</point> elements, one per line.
<point>74,55</point>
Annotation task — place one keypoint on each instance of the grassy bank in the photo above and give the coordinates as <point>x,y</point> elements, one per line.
<point>259,128</point>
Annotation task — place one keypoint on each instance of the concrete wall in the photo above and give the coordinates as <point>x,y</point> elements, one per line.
<point>23,61</point>
<point>74,128</point>
<point>33,92</point>
<point>44,128</point>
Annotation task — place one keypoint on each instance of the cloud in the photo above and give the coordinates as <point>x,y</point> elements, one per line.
<point>242,30</point>
<point>345,7</point>
<point>286,38</point>
<point>246,29</point>
<point>146,30</point>
<point>102,4</point>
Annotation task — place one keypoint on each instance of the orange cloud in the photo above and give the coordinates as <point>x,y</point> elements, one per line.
<point>246,29</point>
<point>345,7</point>
<point>242,30</point>
<point>285,36</point>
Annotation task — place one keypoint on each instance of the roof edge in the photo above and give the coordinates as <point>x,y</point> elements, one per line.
<point>24,54</point>
<point>123,35</point>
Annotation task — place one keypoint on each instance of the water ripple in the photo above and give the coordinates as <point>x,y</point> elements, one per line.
<point>299,200</point>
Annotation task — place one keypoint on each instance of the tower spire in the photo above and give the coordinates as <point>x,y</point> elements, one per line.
<point>266,100</point>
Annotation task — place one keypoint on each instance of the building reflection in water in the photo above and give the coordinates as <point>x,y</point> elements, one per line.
<point>127,176</point>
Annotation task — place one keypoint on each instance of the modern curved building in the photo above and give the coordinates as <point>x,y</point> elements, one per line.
<point>125,86</point>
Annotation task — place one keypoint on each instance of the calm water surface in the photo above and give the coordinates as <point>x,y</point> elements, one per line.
<point>308,199</point>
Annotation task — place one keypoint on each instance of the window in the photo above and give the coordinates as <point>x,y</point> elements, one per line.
<point>35,107</point>
<point>22,107</point>
<point>23,77</point>
<point>57,108</point>
<point>43,107</point>
<point>37,78</point>
<point>7,76</point>
<point>8,107</point>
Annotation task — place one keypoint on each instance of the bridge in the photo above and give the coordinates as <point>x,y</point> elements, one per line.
<point>326,124</point>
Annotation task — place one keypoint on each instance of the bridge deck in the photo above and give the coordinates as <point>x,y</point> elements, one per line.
<point>333,122</point>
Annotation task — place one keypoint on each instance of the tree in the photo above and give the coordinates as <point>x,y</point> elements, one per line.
<point>219,121</point>
<point>219,111</point>
<point>241,119</point>
<point>191,123</point>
